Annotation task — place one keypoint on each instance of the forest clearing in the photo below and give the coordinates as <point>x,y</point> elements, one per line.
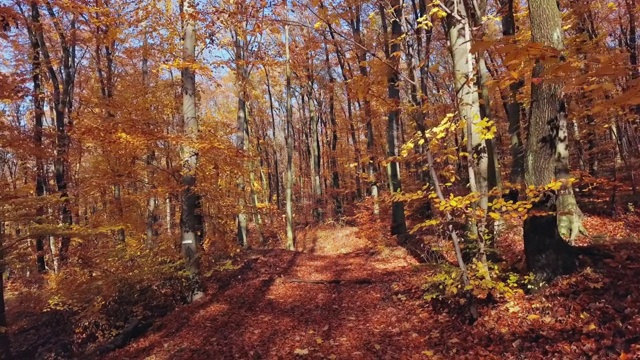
<point>334,179</point>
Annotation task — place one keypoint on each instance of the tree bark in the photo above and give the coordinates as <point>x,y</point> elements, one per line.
<point>5,346</point>
<point>512,105</point>
<point>290,245</point>
<point>468,102</point>
<point>152,203</point>
<point>190,221</point>
<point>242,135</point>
<point>38,113</point>
<point>392,53</point>
<point>62,105</point>
<point>273,134</point>
<point>547,149</point>
<point>361,56</point>
<point>333,143</point>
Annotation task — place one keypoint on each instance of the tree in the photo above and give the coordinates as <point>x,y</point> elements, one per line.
<point>190,220</point>
<point>547,155</point>
<point>468,103</point>
<point>290,245</point>
<point>392,53</point>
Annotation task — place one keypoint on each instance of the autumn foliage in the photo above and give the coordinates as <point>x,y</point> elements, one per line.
<point>449,179</point>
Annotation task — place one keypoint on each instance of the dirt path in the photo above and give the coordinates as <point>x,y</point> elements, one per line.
<point>346,300</point>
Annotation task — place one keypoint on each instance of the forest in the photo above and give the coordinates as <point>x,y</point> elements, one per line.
<point>335,179</point>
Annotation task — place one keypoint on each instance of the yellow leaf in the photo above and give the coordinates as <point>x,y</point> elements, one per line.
<point>494,216</point>
<point>533,317</point>
<point>318,25</point>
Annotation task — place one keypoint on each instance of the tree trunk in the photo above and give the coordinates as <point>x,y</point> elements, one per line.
<point>352,130</point>
<point>190,221</point>
<point>5,347</point>
<point>335,177</point>
<point>314,147</point>
<point>38,113</point>
<point>290,245</point>
<point>548,255</point>
<point>469,109</point>
<point>275,152</point>
<point>547,151</point>
<point>512,105</point>
<point>392,53</point>
<point>361,56</point>
<point>61,95</point>
<point>152,203</point>
<point>242,137</point>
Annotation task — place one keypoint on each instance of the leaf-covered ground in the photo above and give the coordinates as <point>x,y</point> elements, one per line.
<point>346,298</point>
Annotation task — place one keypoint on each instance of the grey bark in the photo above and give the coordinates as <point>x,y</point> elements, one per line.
<point>468,102</point>
<point>62,106</point>
<point>547,144</point>
<point>512,105</point>
<point>290,245</point>
<point>361,56</point>
<point>190,222</point>
<point>38,113</point>
<point>392,53</point>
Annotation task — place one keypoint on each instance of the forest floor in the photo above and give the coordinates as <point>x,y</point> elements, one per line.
<point>344,297</point>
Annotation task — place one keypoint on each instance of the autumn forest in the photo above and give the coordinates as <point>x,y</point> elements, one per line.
<point>340,179</point>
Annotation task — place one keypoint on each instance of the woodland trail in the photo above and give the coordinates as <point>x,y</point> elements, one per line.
<point>343,297</point>
<point>339,299</point>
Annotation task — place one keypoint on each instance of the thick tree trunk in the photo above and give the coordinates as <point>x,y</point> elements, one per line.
<point>392,53</point>
<point>547,150</point>
<point>190,221</point>
<point>548,255</point>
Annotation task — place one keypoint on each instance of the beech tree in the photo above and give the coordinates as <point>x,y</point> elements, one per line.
<point>190,220</point>
<point>392,53</point>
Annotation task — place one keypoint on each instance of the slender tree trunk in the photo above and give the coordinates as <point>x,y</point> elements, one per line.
<point>38,113</point>
<point>61,95</point>
<point>392,53</point>
<point>469,108</point>
<point>289,143</point>
<point>5,346</point>
<point>273,134</point>
<point>512,105</point>
<point>361,55</point>
<point>242,138</point>
<point>105,41</point>
<point>335,177</point>
<point>190,221</point>
<point>352,130</point>
<point>314,147</point>
<point>152,203</point>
